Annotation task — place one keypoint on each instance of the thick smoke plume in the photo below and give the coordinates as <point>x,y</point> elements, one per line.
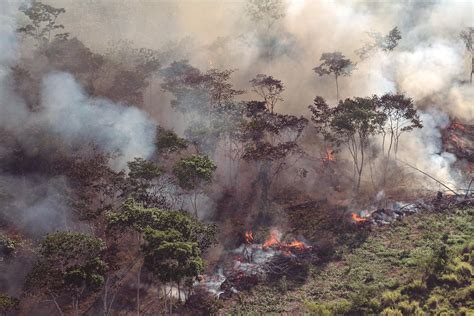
<point>77,119</point>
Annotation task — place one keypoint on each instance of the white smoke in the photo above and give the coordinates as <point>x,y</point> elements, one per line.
<point>76,118</point>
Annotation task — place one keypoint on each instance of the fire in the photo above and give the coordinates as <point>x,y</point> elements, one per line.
<point>248,237</point>
<point>330,155</point>
<point>458,126</point>
<point>296,245</point>
<point>358,219</point>
<point>286,247</point>
<point>271,241</point>
<point>456,140</point>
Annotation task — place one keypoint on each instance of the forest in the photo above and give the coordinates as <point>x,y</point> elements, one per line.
<point>246,157</point>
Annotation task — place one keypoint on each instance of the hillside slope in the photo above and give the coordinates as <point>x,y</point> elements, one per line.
<point>421,264</point>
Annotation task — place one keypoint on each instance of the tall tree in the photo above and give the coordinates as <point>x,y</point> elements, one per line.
<point>335,63</point>
<point>42,22</point>
<point>193,174</point>
<point>269,88</point>
<point>69,264</point>
<point>171,241</point>
<point>467,36</point>
<point>352,123</point>
<point>385,43</point>
<point>270,139</point>
<point>401,117</point>
<point>265,12</point>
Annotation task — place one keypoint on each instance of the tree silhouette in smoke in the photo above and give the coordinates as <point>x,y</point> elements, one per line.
<point>335,63</point>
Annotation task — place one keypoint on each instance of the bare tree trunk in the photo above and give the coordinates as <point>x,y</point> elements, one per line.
<point>337,90</point>
<point>56,304</point>
<point>472,65</point>
<point>138,288</point>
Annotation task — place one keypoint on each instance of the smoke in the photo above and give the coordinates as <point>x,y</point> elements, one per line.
<point>66,118</point>
<point>115,128</point>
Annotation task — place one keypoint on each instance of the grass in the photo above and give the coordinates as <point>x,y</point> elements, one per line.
<point>392,271</point>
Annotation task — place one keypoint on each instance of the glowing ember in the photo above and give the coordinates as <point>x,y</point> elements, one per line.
<point>248,237</point>
<point>458,126</point>
<point>358,219</point>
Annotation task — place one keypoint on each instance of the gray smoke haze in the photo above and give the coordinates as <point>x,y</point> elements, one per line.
<point>429,65</point>
<point>38,204</point>
<point>66,111</point>
<point>76,119</point>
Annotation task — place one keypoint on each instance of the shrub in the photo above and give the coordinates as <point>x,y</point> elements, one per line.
<point>415,288</point>
<point>7,303</point>
<point>7,246</point>
<point>341,307</point>
<point>317,309</point>
<point>389,311</point>
<point>410,308</point>
<point>450,279</point>
<point>390,298</point>
<point>434,301</point>
<point>464,271</point>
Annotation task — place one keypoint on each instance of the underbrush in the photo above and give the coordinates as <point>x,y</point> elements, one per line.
<point>421,265</point>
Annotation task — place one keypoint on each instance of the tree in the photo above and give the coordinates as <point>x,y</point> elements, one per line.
<point>142,185</point>
<point>269,140</point>
<point>172,257</point>
<point>335,63</point>
<point>467,36</point>
<point>269,89</point>
<point>352,123</point>
<point>193,174</point>
<point>43,22</point>
<point>220,89</point>
<point>168,142</point>
<point>401,116</point>
<point>265,12</point>
<point>385,43</point>
<point>166,234</point>
<point>70,264</point>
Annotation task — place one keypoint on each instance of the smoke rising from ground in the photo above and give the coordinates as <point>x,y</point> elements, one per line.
<point>429,64</point>
<point>77,119</point>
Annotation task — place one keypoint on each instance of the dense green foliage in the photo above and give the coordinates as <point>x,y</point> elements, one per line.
<point>194,171</point>
<point>68,262</point>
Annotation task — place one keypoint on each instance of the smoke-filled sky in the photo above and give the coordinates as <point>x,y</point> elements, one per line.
<point>430,64</point>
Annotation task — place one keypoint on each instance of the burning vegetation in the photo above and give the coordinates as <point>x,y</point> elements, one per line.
<point>198,176</point>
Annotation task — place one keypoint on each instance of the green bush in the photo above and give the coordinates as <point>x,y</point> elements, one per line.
<point>390,298</point>
<point>317,309</point>
<point>415,288</point>
<point>410,308</point>
<point>450,279</point>
<point>7,303</point>
<point>341,307</point>
<point>464,271</point>
<point>389,311</point>
<point>434,301</point>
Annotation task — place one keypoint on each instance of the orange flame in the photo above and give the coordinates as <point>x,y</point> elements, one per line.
<point>248,237</point>
<point>271,241</point>
<point>358,219</point>
<point>296,245</point>
<point>286,247</point>
<point>330,155</point>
